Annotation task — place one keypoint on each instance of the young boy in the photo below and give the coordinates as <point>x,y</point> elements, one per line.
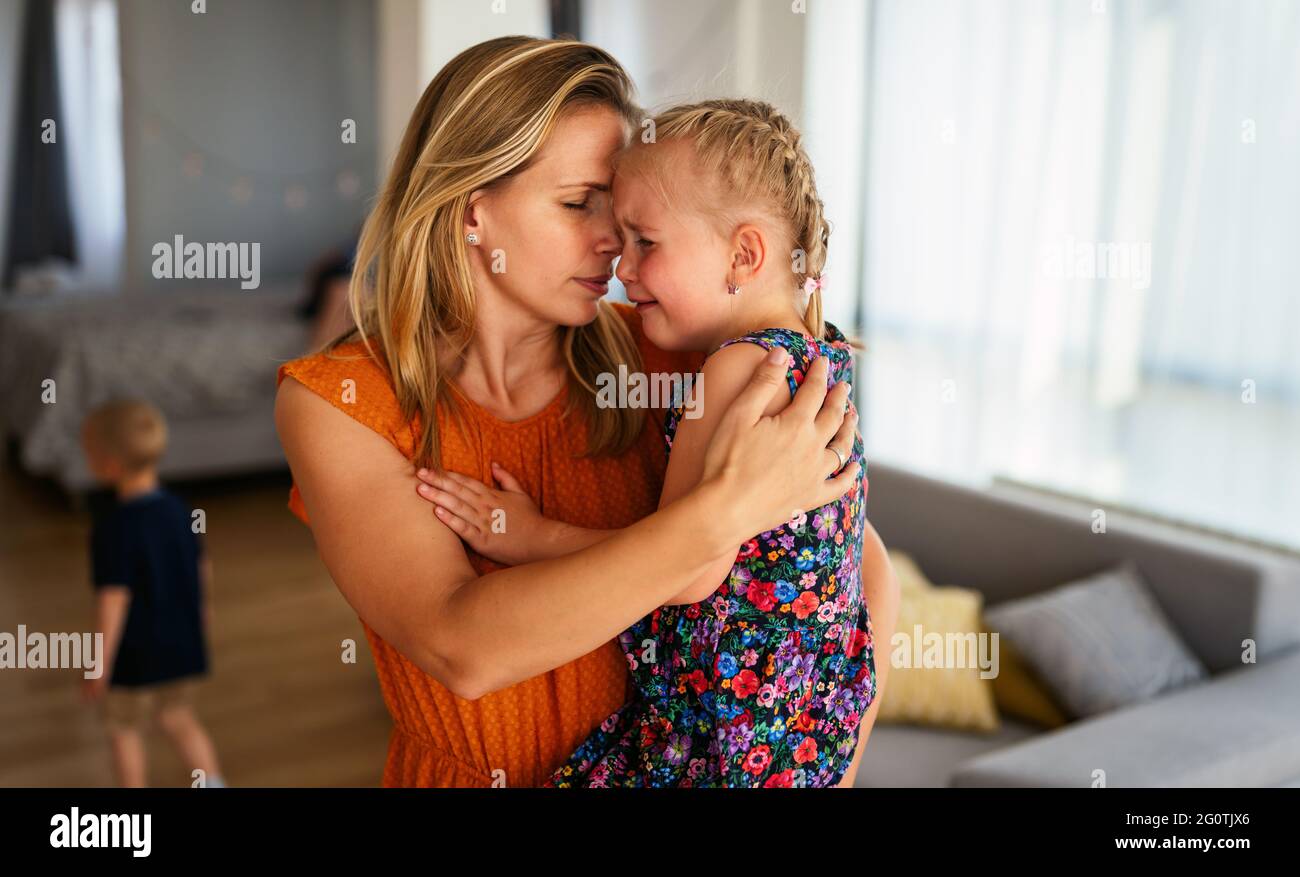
<point>145,567</point>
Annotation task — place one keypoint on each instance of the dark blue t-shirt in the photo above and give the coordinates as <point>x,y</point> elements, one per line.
<point>146,544</point>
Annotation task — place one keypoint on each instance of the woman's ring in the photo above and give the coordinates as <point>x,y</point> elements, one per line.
<point>838,456</point>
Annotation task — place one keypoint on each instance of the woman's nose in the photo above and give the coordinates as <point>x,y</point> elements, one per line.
<point>608,242</point>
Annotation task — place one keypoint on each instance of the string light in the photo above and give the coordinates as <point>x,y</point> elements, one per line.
<point>242,184</point>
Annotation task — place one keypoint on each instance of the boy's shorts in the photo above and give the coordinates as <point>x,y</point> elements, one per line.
<point>129,707</point>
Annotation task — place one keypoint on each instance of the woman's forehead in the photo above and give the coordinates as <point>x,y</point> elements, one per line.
<point>582,146</point>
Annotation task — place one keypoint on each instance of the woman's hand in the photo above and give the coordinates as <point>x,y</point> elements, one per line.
<point>767,467</point>
<point>502,525</point>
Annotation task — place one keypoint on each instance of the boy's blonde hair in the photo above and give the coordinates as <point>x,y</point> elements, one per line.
<point>130,430</point>
<point>755,156</point>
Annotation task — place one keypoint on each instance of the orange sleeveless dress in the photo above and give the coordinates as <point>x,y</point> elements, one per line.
<point>520,734</point>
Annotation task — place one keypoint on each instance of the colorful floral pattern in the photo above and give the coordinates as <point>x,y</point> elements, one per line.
<point>765,682</point>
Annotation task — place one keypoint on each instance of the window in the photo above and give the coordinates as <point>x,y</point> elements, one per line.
<point>1078,243</point>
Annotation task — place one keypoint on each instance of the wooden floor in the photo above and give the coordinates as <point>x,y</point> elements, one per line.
<point>281,706</point>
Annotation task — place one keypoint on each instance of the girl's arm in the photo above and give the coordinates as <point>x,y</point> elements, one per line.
<point>880,591</point>
<point>409,578</point>
<point>725,374</point>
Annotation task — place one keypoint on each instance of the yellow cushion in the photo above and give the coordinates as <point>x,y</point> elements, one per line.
<point>958,698</point>
<point>954,697</point>
<point>1019,692</point>
<point>909,575</point>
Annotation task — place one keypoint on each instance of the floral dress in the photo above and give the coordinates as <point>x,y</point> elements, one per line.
<point>765,682</point>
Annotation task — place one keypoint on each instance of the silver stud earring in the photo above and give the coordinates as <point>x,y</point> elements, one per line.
<point>471,239</point>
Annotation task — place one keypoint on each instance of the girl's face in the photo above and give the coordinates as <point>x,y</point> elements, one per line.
<point>547,239</point>
<point>674,266</point>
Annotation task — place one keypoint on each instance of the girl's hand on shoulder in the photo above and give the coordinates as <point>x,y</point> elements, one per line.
<point>503,525</point>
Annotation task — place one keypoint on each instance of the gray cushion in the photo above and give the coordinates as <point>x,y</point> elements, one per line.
<point>1101,643</point>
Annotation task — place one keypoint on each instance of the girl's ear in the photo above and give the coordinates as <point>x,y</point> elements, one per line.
<point>748,253</point>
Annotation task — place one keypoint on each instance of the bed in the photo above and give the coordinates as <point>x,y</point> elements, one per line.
<point>207,358</point>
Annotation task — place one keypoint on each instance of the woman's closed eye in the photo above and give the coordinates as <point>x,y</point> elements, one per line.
<point>583,205</point>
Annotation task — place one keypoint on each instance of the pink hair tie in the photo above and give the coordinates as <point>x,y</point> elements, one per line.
<point>811,284</point>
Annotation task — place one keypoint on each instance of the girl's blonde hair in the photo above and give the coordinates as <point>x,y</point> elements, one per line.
<point>755,155</point>
<point>482,119</point>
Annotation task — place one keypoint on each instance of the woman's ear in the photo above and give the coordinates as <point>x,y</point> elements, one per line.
<point>474,214</point>
<point>748,253</point>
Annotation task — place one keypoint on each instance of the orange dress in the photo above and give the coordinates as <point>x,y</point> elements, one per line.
<point>529,729</point>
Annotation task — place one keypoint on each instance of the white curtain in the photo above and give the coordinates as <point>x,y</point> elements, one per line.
<point>90,86</point>
<point>1079,227</point>
<point>1013,142</point>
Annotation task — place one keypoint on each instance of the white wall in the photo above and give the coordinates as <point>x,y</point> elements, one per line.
<point>260,90</point>
<point>836,68</point>
<point>675,50</point>
<point>679,51</point>
<point>417,37</point>
<point>448,27</point>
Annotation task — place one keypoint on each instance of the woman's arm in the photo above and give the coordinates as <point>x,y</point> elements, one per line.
<point>468,506</point>
<point>409,578</point>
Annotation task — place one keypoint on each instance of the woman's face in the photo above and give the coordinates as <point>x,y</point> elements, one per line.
<point>547,239</point>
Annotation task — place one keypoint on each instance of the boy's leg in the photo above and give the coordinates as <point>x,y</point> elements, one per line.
<point>123,711</point>
<point>178,721</point>
<point>129,759</point>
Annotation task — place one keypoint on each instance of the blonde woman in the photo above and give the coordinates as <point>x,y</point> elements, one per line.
<point>477,297</point>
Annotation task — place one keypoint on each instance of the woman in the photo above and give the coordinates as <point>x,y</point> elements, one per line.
<point>477,297</point>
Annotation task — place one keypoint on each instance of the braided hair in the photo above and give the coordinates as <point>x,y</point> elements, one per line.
<point>756,155</point>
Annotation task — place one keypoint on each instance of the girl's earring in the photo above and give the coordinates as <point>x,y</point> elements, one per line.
<point>471,239</point>
<point>732,289</point>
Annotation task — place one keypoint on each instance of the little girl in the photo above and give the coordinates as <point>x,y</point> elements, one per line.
<point>760,673</point>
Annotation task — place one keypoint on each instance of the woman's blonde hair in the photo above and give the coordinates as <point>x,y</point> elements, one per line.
<point>482,119</point>
<point>755,156</point>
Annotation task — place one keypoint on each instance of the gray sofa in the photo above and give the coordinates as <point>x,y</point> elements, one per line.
<point>1238,727</point>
